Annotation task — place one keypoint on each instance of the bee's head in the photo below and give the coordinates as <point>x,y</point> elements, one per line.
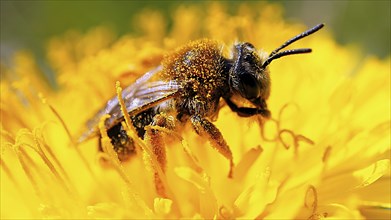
<point>249,76</point>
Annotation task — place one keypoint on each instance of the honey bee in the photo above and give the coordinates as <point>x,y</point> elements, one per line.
<point>188,87</point>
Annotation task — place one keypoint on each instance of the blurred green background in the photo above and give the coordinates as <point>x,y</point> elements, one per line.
<point>28,24</point>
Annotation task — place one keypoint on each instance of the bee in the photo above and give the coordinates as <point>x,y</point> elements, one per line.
<point>188,87</point>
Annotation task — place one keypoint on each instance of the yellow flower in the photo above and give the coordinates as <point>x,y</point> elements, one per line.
<point>324,154</point>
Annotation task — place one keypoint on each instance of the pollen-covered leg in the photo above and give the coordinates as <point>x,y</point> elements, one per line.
<point>155,140</point>
<point>204,127</point>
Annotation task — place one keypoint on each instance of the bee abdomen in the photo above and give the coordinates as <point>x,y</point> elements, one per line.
<point>123,145</point>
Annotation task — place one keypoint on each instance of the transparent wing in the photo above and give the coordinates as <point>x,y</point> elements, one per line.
<point>139,96</point>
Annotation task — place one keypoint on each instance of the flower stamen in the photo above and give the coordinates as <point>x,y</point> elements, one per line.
<point>6,134</point>
<point>40,141</point>
<point>26,166</point>
<point>73,143</point>
<point>313,205</point>
<point>225,213</point>
<point>9,173</point>
<point>57,115</point>
<point>296,139</point>
<point>279,137</point>
<point>184,144</point>
<point>37,149</point>
<point>266,211</point>
<point>262,125</point>
<point>112,156</point>
<point>326,155</point>
<point>131,132</point>
<point>284,141</point>
<point>284,109</point>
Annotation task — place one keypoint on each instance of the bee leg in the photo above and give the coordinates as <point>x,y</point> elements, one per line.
<point>204,127</point>
<point>247,112</point>
<point>155,140</point>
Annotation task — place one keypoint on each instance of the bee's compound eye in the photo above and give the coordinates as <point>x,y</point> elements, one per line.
<point>249,87</point>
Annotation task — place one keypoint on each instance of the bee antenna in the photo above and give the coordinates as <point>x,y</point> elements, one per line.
<point>285,53</point>
<point>275,54</point>
<point>296,38</point>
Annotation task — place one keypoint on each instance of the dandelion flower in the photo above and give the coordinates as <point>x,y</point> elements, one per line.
<point>325,153</point>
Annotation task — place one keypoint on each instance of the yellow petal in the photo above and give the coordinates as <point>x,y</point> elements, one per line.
<point>162,206</point>
<point>207,200</point>
<point>370,174</point>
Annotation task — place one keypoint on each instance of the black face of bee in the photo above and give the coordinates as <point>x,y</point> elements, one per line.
<point>246,76</point>
<point>249,76</point>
